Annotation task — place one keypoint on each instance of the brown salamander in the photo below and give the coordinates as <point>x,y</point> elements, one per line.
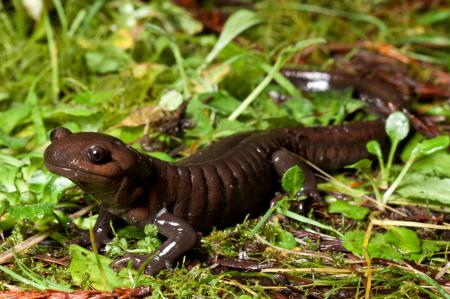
<point>219,185</point>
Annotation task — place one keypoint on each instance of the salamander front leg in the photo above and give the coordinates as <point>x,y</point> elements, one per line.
<point>181,237</point>
<point>101,229</point>
<point>283,159</point>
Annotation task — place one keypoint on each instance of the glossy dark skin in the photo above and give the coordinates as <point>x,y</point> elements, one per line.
<point>219,185</point>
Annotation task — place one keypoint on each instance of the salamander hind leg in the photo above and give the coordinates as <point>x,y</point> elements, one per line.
<point>283,159</point>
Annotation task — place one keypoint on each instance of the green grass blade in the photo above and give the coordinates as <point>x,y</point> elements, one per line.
<point>235,25</point>
<point>53,53</point>
<point>284,55</point>
<point>21,278</point>
<point>348,15</point>
<point>306,220</point>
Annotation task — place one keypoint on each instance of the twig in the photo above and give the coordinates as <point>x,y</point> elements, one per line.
<point>442,271</point>
<point>387,222</point>
<point>325,270</point>
<point>367,259</point>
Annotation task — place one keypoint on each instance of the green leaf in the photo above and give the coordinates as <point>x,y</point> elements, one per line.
<point>32,212</point>
<point>235,25</point>
<point>223,103</point>
<point>227,127</point>
<point>397,126</point>
<point>404,239</point>
<point>428,248</point>
<point>437,164</point>
<point>284,239</point>
<point>292,181</point>
<point>418,186</point>
<point>379,248</point>
<point>8,177</point>
<point>107,61</point>
<point>353,241</point>
<point>347,209</point>
<point>131,232</point>
<point>410,146</point>
<point>48,187</point>
<point>85,271</point>
<point>363,166</point>
<point>429,146</point>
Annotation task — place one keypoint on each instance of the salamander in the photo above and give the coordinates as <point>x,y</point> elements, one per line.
<point>220,184</point>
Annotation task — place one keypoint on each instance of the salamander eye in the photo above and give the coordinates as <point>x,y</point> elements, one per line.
<point>97,154</point>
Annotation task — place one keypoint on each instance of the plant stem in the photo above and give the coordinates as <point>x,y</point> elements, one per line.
<point>390,159</point>
<point>399,178</point>
<point>252,96</point>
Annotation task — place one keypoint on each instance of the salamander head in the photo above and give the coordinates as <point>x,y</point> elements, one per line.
<point>102,165</point>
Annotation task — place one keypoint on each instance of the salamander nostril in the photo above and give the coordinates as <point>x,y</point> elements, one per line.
<point>59,133</point>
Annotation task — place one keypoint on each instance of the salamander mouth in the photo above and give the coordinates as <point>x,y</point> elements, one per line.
<point>77,175</point>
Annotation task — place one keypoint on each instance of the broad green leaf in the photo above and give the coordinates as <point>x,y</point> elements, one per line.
<point>292,181</point>
<point>85,271</point>
<point>298,108</point>
<point>227,127</point>
<point>347,209</point>
<point>363,166</point>
<point>437,164</point>
<point>48,187</point>
<point>397,126</point>
<point>235,25</point>
<point>353,241</point>
<point>411,146</point>
<point>284,239</point>
<point>203,127</point>
<point>32,212</point>
<point>423,187</point>
<point>379,248</point>
<point>428,248</point>
<point>404,239</point>
<point>429,146</point>
<point>223,103</point>
<point>107,61</point>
